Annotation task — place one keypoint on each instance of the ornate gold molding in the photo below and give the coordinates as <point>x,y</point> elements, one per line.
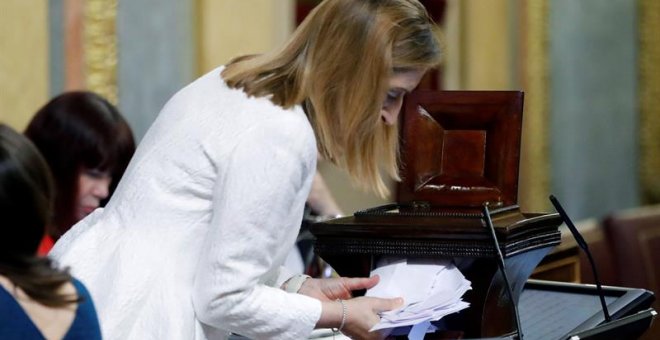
<point>535,168</point>
<point>649,99</point>
<point>100,47</point>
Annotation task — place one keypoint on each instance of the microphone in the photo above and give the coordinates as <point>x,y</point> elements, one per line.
<point>582,244</point>
<point>500,263</point>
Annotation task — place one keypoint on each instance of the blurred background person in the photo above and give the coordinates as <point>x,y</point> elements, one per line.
<point>37,300</point>
<point>87,145</point>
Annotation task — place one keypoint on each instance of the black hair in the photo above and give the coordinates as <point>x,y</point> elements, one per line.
<point>75,131</point>
<point>26,205</point>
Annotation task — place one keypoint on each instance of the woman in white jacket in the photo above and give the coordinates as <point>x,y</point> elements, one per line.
<point>191,243</point>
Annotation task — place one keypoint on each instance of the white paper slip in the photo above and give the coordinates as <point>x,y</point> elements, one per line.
<point>431,289</point>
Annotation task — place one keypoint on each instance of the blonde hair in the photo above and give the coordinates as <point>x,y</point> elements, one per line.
<point>338,64</point>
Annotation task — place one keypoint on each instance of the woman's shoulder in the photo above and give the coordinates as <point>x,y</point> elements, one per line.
<point>289,128</point>
<point>210,96</point>
<point>86,323</point>
<point>86,304</point>
<point>210,110</point>
<point>292,120</point>
<point>80,288</point>
<point>31,319</point>
<point>14,323</point>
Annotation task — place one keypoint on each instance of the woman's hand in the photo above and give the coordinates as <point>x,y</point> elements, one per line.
<point>336,288</point>
<point>361,314</point>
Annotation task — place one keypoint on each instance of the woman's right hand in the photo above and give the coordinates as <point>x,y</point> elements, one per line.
<point>362,315</point>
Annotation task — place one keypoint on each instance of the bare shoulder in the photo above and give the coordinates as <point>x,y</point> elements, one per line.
<point>5,283</point>
<point>68,289</point>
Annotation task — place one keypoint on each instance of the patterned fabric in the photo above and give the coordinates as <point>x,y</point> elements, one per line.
<point>191,243</point>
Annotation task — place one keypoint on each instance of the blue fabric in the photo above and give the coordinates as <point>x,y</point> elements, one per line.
<point>16,324</point>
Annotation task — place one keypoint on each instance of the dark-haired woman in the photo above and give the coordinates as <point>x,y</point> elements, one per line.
<point>87,145</point>
<point>37,300</point>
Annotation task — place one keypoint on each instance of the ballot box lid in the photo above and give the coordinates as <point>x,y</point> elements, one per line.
<point>460,148</point>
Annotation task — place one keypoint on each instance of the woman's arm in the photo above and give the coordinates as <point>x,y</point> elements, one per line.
<point>259,196</point>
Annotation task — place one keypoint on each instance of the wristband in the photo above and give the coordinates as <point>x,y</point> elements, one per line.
<point>293,284</point>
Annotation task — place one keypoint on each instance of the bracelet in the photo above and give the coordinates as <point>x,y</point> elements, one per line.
<point>293,284</point>
<point>344,314</point>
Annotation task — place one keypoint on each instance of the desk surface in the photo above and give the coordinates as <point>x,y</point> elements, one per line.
<point>553,310</point>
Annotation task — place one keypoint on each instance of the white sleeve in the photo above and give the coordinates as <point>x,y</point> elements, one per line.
<point>264,187</point>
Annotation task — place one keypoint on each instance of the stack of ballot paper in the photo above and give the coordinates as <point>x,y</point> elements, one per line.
<point>431,289</point>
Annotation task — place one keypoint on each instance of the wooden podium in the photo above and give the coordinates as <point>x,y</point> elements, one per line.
<point>459,150</point>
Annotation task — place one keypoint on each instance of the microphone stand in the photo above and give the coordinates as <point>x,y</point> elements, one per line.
<point>583,244</point>
<point>500,263</point>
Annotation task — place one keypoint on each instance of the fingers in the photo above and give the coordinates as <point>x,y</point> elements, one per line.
<point>384,305</point>
<point>360,283</point>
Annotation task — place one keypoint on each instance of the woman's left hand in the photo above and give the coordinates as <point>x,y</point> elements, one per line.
<point>336,288</point>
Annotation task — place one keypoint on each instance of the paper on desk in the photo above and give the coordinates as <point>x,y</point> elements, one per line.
<point>431,289</point>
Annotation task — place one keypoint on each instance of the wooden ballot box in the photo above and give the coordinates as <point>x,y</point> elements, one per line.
<point>459,151</point>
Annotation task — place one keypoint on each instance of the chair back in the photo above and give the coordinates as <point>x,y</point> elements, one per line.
<point>634,237</point>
